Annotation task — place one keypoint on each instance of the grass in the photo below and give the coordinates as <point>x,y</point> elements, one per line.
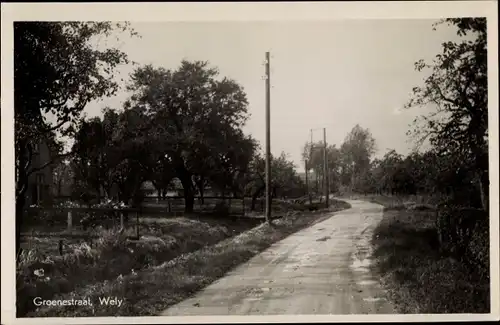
<point>419,276</point>
<point>398,202</point>
<point>111,255</point>
<point>153,289</point>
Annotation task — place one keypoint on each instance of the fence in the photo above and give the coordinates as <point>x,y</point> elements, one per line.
<point>69,220</point>
<point>81,218</point>
<point>203,205</point>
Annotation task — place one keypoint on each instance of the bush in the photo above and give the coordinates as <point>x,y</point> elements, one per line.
<point>111,254</point>
<point>463,232</point>
<point>221,209</point>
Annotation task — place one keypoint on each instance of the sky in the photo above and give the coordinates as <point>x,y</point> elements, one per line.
<point>324,74</point>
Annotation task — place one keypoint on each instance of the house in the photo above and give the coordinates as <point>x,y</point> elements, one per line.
<point>39,182</point>
<point>311,176</point>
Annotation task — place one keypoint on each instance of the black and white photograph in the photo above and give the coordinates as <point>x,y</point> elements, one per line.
<point>159,166</point>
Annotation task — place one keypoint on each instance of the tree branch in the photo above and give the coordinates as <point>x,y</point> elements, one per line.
<point>443,97</point>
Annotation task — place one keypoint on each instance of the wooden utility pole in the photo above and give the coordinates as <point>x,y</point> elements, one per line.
<point>310,158</point>
<point>307,177</point>
<point>325,169</point>
<point>268,139</point>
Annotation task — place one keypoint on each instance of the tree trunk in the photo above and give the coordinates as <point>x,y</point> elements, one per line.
<point>484,189</point>
<point>21,189</point>
<point>20,201</point>
<point>255,195</point>
<point>187,186</point>
<point>202,190</point>
<point>188,201</point>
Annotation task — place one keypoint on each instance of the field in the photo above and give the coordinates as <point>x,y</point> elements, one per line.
<point>100,258</point>
<point>421,276</point>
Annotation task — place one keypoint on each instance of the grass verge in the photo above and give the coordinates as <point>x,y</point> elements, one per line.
<point>43,273</point>
<point>150,291</point>
<point>419,277</point>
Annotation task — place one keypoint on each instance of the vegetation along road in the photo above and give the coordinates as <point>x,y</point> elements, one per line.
<point>323,269</point>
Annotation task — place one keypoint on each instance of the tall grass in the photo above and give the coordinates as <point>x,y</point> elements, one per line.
<point>111,255</point>
<point>422,272</point>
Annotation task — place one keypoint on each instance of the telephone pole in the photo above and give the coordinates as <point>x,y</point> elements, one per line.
<point>325,169</point>
<point>307,178</point>
<point>310,158</point>
<point>268,139</point>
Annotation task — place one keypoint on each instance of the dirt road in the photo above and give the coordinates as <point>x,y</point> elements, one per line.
<point>324,269</point>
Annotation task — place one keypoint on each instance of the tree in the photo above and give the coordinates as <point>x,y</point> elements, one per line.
<point>63,178</point>
<point>228,169</point>
<point>194,114</point>
<point>57,71</point>
<point>457,88</point>
<point>314,156</point>
<point>116,152</point>
<point>284,179</point>
<point>355,154</point>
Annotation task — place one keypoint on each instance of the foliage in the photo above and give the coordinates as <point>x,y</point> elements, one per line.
<point>57,71</point>
<point>110,255</point>
<point>313,155</point>
<point>194,114</point>
<point>457,87</point>
<point>421,278</point>
<point>117,154</point>
<point>285,182</point>
<point>456,166</point>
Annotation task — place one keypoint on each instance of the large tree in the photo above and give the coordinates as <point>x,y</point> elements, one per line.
<point>116,152</point>
<point>195,116</point>
<point>57,71</point>
<point>457,88</point>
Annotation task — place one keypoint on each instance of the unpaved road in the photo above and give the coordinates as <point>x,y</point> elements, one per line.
<point>323,269</point>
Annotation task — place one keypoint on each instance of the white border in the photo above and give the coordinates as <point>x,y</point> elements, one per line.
<point>237,12</point>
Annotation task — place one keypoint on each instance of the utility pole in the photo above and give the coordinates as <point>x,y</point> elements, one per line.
<point>310,158</point>
<point>268,139</point>
<point>307,178</point>
<point>325,169</point>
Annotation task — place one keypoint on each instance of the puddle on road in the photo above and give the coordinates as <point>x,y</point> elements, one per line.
<point>357,264</point>
<point>371,299</point>
<point>362,269</point>
<point>367,282</point>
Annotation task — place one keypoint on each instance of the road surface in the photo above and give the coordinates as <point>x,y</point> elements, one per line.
<point>324,269</point>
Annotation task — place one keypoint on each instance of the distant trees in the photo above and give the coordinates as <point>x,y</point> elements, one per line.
<point>356,152</point>
<point>456,166</point>
<point>314,156</point>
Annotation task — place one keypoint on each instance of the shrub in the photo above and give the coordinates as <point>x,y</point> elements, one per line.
<point>463,232</point>
<point>221,209</point>
<point>111,254</point>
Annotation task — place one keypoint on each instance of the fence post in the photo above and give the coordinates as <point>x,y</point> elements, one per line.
<point>122,221</point>
<point>137,223</point>
<point>70,221</point>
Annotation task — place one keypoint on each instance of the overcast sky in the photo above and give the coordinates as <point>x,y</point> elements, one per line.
<point>331,74</point>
